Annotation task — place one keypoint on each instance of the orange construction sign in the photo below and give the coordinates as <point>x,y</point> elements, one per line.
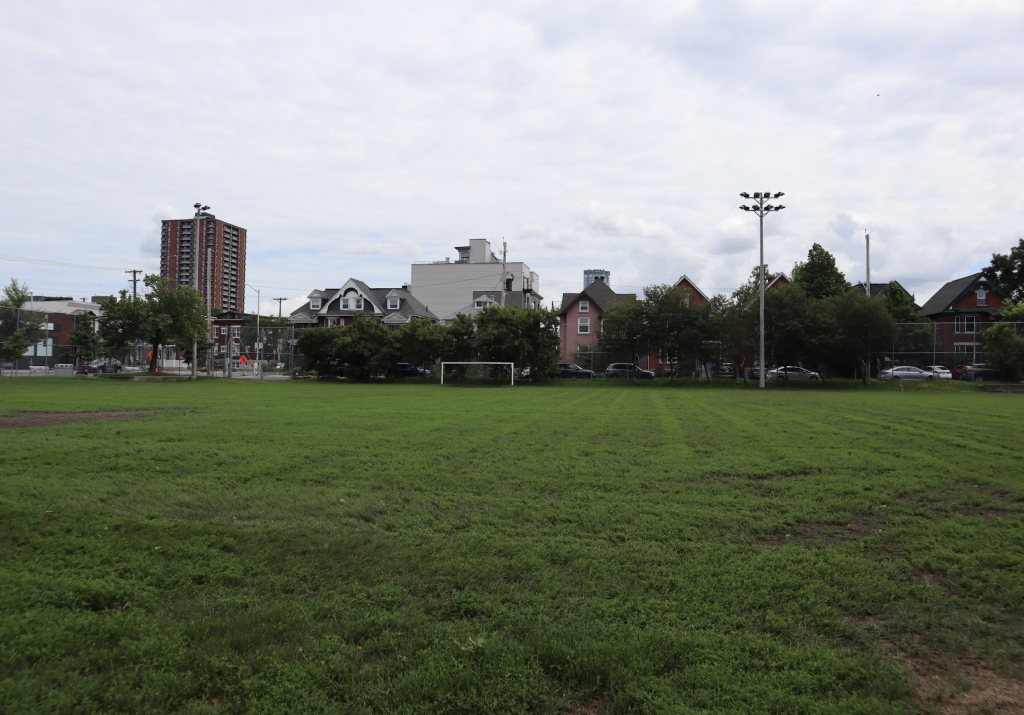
<point>243,359</point>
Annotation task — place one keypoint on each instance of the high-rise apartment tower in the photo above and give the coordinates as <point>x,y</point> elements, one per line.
<point>207,254</point>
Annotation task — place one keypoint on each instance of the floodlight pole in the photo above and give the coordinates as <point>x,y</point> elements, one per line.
<point>760,208</point>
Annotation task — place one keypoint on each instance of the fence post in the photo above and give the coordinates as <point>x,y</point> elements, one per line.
<point>292,349</point>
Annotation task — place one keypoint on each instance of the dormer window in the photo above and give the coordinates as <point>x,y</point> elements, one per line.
<point>584,306</point>
<point>314,304</point>
<point>393,303</point>
<point>982,297</point>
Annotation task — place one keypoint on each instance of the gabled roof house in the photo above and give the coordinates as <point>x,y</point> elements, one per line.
<point>339,306</point>
<point>960,310</point>
<point>580,316</point>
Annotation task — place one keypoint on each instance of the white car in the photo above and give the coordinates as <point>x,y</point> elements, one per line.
<point>791,372</point>
<point>905,372</point>
<point>940,372</point>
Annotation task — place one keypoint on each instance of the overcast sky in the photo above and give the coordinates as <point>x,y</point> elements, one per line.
<point>353,138</point>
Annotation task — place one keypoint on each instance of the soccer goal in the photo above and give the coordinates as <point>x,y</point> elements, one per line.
<point>481,370</point>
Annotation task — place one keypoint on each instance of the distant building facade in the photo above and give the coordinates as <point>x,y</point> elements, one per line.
<point>338,307</point>
<point>207,254</point>
<point>592,274</point>
<point>448,286</point>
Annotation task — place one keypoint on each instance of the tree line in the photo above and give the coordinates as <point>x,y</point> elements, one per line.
<point>366,348</point>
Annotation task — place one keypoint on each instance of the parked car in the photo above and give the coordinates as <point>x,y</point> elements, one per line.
<point>979,373</point>
<point>791,372</point>
<point>628,370</point>
<point>941,372</point>
<point>404,369</point>
<point>105,365</point>
<point>905,372</point>
<point>957,371</point>
<point>573,371</point>
<point>727,369</point>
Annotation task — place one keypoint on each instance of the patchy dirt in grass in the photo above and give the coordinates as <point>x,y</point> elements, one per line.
<point>51,419</point>
<point>859,527</point>
<point>1000,505</point>
<point>971,687</point>
<point>594,707</point>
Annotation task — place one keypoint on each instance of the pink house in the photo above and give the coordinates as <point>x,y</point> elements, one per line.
<point>581,316</point>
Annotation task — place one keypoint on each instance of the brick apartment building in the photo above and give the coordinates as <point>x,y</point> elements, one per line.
<point>207,254</point>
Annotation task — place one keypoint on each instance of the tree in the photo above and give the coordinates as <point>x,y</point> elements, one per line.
<point>663,309</point>
<point>459,345</point>
<point>624,330</point>
<point>1012,313</point>
<point>526,337</point>
<point>751,290</point>
<point>167,314</point>
<point>1007,270</point>
<point>818,275</point>
<point>83,337</point>
<point>15,346</point>
<point>317,348</point>
<point>864,327</point>
<point>900,305</point>
<point>798,328</point>
<point>1005,347</point>
<point>914,334</point>
<point>123,321</point>
<point>13,315</point>
<point>366,349</point>
<point>422,342</point>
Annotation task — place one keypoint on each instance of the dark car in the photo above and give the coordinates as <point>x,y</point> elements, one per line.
<point>957,371</point>
<point>727,369</point>
<point>979,373</point>
<point>404,369</point>
<point>105,365</point>
<point>628,370</point>
<point>571,370</point>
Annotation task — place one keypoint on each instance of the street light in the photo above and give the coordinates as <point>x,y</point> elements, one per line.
<point>760,208</point>
<point>259,343</point>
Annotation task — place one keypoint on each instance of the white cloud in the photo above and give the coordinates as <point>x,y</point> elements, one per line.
<point>350,140</point>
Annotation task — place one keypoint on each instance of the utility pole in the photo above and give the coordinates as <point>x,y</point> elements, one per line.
<point>867,248</point>
<point>504,255</point>
<point>761,209</point>
<point>279,301</point>
<point>135,281</point>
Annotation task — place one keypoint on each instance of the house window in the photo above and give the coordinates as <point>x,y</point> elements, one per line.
<point>314,304</point>
<point>359,303</point>
<point>969,323</point>
<point>332,322</point>
<point>481,304</point>
<point>344,304</point>
<point>216,331</point>
<point>392,303</point>
<point>583,327</point>
<point>236,331</point>
<point>982,297</point>
<point>584,306</point>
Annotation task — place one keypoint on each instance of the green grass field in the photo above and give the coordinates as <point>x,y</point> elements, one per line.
<point>295,547</point>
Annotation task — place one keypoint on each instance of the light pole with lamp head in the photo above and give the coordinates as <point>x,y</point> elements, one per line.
<point>259,344</point>
<point>761,208</point>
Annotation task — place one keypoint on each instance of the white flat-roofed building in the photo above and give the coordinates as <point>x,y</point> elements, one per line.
<point>448,286</point>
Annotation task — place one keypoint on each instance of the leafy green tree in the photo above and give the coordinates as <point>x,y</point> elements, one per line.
<point>168,314</point>
<point>1005,346</point>
<point>317,347</point>
<point>526,337</point>
<point>422,342</point>
<point>84,338</point>
<point>798,328</point>
<point>900,305</point>
<point>14,316</point>
<point>15,346</point>
<point>751,289</point>
<point>864,328</point>
<point>460,337</point>
<point>1007,270</point>
<point>123,321</point>
<point>624,331</point>
<point>914,333</point>
<point>366,349</point>
<point>1012,313</point>
<point>818,275</point>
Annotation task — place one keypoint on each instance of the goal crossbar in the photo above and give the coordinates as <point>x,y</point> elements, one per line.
<point>512,372</point>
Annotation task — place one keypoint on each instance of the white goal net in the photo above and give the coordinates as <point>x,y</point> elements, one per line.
<point>478,372</point>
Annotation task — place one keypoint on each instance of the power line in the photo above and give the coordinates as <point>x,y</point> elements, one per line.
<point>45,262</point>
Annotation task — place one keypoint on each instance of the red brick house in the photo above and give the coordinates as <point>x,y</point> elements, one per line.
<point>960,310</point>
<point>656,360</point>
<point>580,317</point>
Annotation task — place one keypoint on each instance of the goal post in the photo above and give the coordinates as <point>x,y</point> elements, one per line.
<point>511,366</point>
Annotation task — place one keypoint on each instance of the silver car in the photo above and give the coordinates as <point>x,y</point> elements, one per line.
<point>905,372</point>
<point>941,372</point>
<point>791,372</point>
